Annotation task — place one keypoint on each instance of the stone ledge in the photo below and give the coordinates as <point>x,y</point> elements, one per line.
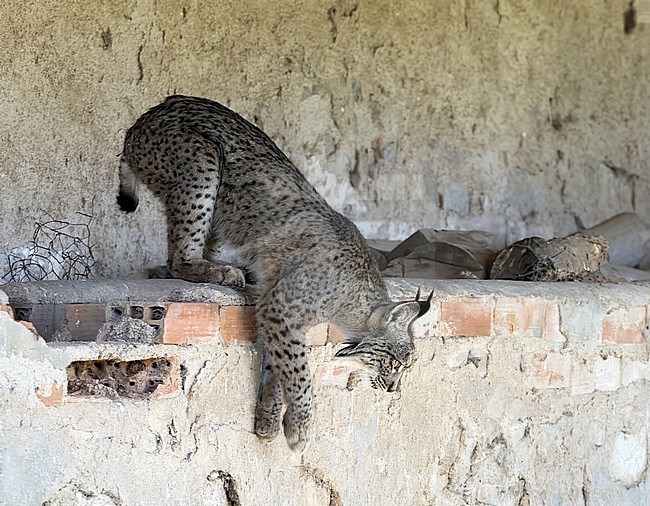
<point>560,314</point>
<point>105,291</point>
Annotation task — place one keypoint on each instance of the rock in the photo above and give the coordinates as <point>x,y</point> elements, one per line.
<point>629,457</point>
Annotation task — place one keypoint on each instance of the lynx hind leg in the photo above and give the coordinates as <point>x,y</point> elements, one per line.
<point>189,219</point>
<point>187,260</point>
<point>269,401</point>
<point>297,423</point>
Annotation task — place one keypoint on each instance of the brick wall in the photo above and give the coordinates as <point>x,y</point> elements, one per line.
<point>519,392</point>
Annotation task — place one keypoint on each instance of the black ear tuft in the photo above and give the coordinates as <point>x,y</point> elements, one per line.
<point>425,305</point>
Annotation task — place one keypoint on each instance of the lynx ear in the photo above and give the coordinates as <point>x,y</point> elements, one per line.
<point>425,305</point>
<point>403,313</point>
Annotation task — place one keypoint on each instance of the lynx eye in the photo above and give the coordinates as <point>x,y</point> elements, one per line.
<point>396,365</point>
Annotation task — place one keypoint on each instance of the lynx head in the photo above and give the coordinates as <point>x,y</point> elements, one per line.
<point>387,349</point>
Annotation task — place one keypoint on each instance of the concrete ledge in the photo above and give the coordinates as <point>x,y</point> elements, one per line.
<point>107,291</point>
<point>565,313</point>
<point>520,393</point>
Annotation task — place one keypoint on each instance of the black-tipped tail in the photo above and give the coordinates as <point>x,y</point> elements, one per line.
<point>127,202</point>
<point>127,197</point>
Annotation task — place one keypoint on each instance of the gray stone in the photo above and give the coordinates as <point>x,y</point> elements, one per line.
<point>104,291</point>
<point>629,457</point>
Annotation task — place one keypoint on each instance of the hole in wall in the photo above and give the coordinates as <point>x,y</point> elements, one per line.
<point>23,314</point>
<point>114,379</point>
<point>156,313</point>
<point>137,312</point>
<point>92,322</point>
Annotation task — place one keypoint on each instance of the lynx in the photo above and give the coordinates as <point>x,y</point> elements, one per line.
<point>238,209</point>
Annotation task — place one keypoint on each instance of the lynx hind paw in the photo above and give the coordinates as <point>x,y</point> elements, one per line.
<point>296,430</point>
<point>227,275</point>
<point>267,425</point>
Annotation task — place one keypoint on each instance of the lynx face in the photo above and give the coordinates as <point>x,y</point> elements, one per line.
<point>384,354</point>
<point>379,370</point>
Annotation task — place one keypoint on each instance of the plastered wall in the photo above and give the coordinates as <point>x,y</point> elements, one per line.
<point>520,118</point>
<point>516,396</point>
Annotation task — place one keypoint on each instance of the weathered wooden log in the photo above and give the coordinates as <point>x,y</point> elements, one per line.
<point>561,259</point>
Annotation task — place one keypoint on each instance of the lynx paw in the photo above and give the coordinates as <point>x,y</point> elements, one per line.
<point>227,275</point>
<point>267,425</point>
<point>296,429</point>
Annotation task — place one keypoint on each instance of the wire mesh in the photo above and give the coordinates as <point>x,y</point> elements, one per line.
<point>58,250</point>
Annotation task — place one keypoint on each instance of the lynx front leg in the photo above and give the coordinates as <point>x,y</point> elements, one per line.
<point>200,270</point>
<point>269,401</point>
<point>290,372</point>
<point>298,416</point>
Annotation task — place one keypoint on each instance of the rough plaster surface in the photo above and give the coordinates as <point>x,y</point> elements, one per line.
<point>470,425</point>
<point>519,118</point>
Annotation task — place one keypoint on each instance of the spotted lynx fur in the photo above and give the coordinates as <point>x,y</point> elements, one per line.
<point>228,188</point>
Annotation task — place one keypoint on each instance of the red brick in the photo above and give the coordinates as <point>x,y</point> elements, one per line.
<point>547,370</point>
<point>519,316</point>
<point>625,326</point>
<point>334,373</point>
<point>466,316</point>
<point>238,324</point>
<point>191,322</point>
<point>55,398</point>
<point>334,334</point>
